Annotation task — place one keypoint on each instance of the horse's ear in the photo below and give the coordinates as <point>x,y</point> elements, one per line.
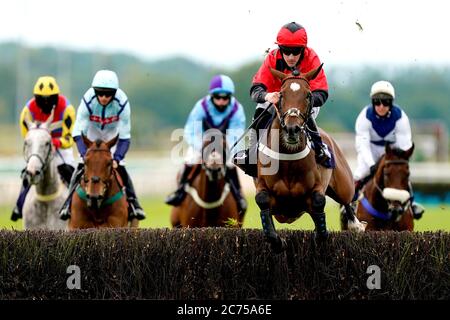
<point>49,120</point>
<point>410,151</point>
<point>112,142</point>
<point>388,148</point>
<point>277,74</point>
<point>311,75</point>
<point>86,141</point>
<point>29,124</point>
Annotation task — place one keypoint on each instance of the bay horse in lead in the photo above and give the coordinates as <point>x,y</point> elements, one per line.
<point>298,184</point>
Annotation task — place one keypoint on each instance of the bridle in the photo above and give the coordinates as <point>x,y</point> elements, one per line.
<point>106,183</point>
<point>43,160</point>
<point>405,204</point>
<point>294,112</point>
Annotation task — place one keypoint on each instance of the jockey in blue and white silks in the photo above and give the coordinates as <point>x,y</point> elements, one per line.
<point>218,110</point>
<point>104,113</point>
<point>96,121</point>
<point>380,123</point>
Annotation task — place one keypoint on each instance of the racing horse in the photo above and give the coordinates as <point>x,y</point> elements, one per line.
<point>99,201</point>
<point>209,202</point>
<point>298,184</point>
<point>41,206</point>
<point>386,201</point>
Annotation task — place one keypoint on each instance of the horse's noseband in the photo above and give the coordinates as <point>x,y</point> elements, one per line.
<point>294,112</point>
<point>392,208</point>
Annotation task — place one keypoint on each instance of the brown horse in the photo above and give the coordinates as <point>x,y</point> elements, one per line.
<point>99,201</point>
<point>386,204</point>
<point>209,202</point>
<point>289,181</point>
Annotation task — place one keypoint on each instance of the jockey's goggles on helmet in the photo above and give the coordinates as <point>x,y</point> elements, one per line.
<point>99,92</point>
<point>223,96</point>
<point>385,102</point>
<point>291,50</point>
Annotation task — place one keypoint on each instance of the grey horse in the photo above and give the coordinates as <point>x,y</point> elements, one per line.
<point>41,207</point>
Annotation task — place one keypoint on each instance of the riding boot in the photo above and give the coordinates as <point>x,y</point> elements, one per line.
<point>135,209</point>
<point>359,184</point>
<point>175,198</point>
<point>64,213</point>
<point>320,148</point>
<point>66,171</point>
<point>417,208</point>
<point>235,187</point>
<point>246,159</point>
<point>17,211</point>
<point>358,187</point>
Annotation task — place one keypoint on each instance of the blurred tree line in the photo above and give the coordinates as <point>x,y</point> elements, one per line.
<point>163,92</point>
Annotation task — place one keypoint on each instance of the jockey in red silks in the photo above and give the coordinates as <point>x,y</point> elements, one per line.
<point>292,55</point>
<point>218,110</point>
<point>48,98</point>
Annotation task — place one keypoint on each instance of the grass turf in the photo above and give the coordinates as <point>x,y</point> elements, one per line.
<point>158,213</point>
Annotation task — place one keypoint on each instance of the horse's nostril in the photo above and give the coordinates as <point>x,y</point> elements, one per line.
<point>297,129</point>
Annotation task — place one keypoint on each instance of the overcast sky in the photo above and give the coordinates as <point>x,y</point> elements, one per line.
<point>230,33</point>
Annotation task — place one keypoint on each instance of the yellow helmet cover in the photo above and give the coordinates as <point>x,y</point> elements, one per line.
<point>46,86</point>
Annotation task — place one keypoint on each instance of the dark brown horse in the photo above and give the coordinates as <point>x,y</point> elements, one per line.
<point>99,201</point>
<point>386,204</point>
<point>289,180</point>
<point>209,202</point>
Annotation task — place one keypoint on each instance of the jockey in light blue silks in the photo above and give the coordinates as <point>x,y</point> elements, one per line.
<point>221,110</point>
<point>378,124</point>
<point>104,113</point>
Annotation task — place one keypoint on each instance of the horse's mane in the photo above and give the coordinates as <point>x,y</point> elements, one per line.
<point>399,153</point>
<point>98,143</point>
<point>394,151</point>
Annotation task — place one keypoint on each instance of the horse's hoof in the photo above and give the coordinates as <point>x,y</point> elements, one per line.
<point>358,226</point>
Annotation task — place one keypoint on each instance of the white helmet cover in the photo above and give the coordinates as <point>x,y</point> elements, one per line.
<point>105,79</point>
<point>382,87</point>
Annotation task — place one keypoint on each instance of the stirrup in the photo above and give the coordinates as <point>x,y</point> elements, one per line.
<point>417,210</point>
<point>323,155</point>
<point>16,214</point>
<point>135,211</point>
<point>249,168</point>
<point>242,205</point>
<point>65,213</point>
<point>177,197</point>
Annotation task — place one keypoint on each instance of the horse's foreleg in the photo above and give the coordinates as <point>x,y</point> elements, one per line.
<point>318,214</point>
<point>263,200</point>
<point>353,224</point>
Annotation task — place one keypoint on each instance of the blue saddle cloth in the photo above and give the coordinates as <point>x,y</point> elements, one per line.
<point>331,163</point>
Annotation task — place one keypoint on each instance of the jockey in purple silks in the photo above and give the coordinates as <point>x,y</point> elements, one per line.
<point>220,110</point>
